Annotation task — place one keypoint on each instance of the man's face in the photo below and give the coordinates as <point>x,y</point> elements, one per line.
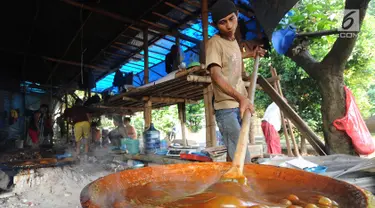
<point>228,25</point>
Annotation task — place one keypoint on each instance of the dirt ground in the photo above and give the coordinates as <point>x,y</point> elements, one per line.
<point>57,187</point>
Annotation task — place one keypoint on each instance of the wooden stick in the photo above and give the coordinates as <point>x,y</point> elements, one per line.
<point>295,145</point>
<point>303,145</point>
<point>285,130</point>
<point>242,144</point>
<point>291,114</point>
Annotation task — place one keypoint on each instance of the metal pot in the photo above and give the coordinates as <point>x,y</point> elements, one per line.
<point>105,191</point>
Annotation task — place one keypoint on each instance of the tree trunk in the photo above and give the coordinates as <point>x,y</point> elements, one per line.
<point>331,86</point>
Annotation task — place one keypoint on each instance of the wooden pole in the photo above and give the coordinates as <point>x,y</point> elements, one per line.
<point>212,119</point>
<point>275,86</point>
<point>145,49</point>
<point>182,117</point>
<point>303,145</point>
<point>67,123</point>
<point>207,79</point>
<point>147,114</point>
<point>207,91</point>
<point>296,149</point>
<point>292,115</point>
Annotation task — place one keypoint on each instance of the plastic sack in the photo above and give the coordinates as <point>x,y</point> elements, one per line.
<point>283,39</point>
<point>353,124</point>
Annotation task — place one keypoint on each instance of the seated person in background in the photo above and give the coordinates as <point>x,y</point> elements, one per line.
<point>171,60</point>
<point>132,133</point>
<point>119,132</point>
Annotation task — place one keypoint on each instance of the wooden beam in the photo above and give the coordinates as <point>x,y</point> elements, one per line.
<point>126,44</point>
<point>292,115</point>
<point>117,108</point>
<point>73,63</point>
<point>207,79</point>
<point>179,9</point>
<point>145,56</point>
<point>121,49</point>
<point>158,25</point>
<point>193,3</point>
<point>129,21</point>
<point>169,100</point>
<point>165,17</point>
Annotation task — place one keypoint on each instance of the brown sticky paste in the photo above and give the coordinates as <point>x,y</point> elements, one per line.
<point>181,185</point>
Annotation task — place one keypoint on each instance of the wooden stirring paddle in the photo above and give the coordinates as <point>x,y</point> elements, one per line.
<point>235,173</point>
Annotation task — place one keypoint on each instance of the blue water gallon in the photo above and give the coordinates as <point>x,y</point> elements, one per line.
<point>151,139</point>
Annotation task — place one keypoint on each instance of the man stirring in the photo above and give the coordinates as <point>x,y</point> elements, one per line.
<point>224,62</point>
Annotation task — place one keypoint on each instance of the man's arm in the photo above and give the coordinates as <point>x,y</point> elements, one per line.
<point>218,78</point>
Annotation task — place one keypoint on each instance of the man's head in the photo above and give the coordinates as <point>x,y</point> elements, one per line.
<point>224,15</point>
<point>127,120</point>
<point>117,120</point>
<point>44,108</point>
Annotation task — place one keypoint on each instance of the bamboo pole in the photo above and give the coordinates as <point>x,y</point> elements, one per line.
<point>296,149</point>
<point>182,117</point>
<point>291,114</point>
<point>285,130</point>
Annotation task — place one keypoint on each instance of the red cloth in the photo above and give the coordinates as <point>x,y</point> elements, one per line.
<point>272,138</point>
<point>34,136</point>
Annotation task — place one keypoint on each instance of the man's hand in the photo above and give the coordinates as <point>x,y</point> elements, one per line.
<point>250,50</point>
<point>245,105</point>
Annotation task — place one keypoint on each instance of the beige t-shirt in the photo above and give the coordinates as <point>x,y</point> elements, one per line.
<point>227,55</point>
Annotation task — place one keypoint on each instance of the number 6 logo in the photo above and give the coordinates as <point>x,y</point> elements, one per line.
<point>350,21</point>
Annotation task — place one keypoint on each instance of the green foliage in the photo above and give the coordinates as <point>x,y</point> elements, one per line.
<point>195,116</point>
<point>164,119</point>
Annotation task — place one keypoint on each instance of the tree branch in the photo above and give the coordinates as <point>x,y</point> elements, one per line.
<point>304,60</point>
<point>343,47</point>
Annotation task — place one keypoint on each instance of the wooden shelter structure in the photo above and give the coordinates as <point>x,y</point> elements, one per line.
<point>67,39</point>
